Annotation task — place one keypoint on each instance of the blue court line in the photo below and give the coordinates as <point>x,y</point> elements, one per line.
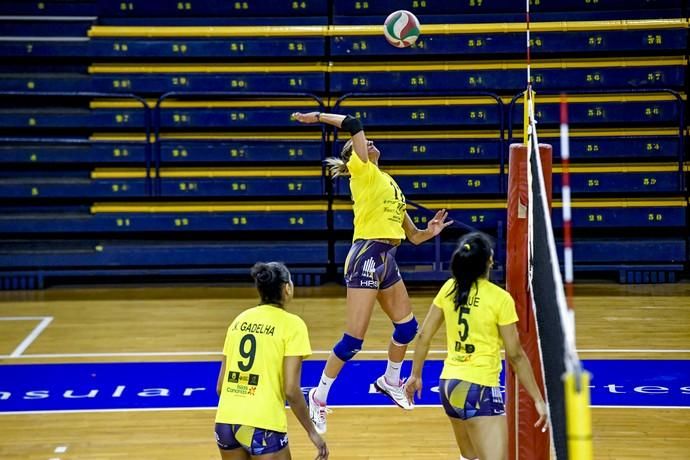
<point>180,385</point>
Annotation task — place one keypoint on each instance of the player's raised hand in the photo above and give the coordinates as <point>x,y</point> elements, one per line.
<point>438,223</point>
<point>307,118</point>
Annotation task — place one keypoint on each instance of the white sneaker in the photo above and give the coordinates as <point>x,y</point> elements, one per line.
<point>317,413</point>
<point>395,392</point>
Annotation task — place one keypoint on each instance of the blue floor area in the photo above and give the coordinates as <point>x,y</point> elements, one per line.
<point>103,386</point>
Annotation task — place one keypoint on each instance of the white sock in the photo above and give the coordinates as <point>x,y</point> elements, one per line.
<point>393,372</point>
<point>321,394</point>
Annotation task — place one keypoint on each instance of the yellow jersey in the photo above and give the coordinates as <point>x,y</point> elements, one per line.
<point>379,204</point>
<point>474,341</point>
<point>253,391</point>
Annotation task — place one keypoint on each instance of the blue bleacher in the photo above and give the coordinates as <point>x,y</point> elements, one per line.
<point>69,150</point>
<point>54,28</point>
<point>507,75</point>
<point>84,253</point>
<point>247,148</point>
<point>588,254</point>
<point>236,48</point>
<point>47,47</point>
<point>596,42</point>
<point>621,179</point>
<point>39,188</point>
<point>224,172</point>
<point>431,147</point>
<point>104,218</point>
<point>60,82</point>
<point>50,8</point>
<point>246,186</point>
<point>423,7</point>
<point>586,214</point>
<point>183,80</point>
<point>209,8</point>
<point>605,144</point>
<point>639,109</point>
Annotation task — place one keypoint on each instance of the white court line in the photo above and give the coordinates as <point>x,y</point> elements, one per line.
<point>315,352</point>
<point>170,409</point>
<point>44,322</point>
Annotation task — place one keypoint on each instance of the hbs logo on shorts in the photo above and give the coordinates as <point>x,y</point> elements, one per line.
<point>369,272</point>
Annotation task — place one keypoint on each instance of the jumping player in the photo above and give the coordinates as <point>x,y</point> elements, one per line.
<point>371,273</point>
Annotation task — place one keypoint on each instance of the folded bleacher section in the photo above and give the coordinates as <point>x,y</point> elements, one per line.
<point>153,139</point>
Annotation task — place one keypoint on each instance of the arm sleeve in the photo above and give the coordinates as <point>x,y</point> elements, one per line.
<point>506,312</point>
<point>297,341</point>
<point>358,168</point>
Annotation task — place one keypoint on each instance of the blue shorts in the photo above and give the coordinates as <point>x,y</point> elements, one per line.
<point>465,400</point>
<point>370,264</point>
<point>256,441</point>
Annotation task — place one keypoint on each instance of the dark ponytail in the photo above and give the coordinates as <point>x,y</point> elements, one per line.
<point>269,279</point>
<point>469,262</point>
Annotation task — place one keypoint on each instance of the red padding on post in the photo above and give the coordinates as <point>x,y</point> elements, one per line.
<point>525,442</point>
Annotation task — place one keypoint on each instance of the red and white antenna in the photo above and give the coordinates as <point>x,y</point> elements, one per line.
<point>565,194</point>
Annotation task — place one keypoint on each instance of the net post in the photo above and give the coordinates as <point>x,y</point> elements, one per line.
<point>525,442</point>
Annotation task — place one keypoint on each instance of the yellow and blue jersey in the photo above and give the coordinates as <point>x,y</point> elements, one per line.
<point>257,341</point>
<point>379,204</point>
<point>472,335</point>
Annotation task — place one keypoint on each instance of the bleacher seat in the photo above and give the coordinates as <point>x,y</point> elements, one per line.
<point>441,7</point>
<point>502,76</point>
<point>187,217</point>
<point>71,150</point>
<point>162,78</point>
<point>590,214</point>
<point>593,37</point>
<point>640,144</point>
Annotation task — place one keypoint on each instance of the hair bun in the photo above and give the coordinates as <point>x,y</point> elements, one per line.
<point>262,273</point>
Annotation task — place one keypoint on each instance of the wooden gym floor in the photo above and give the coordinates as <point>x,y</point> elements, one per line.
<point>131,324</point>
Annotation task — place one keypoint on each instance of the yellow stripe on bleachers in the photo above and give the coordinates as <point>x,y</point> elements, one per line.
<point>380,135</point>
<point>377,101</point>
<point>501,204</point>
<point>598,168</point>
<point>201,173</point>
<point>415,101</point>
<point>130,68</point>
<point>473,100</point>
<point>182,32</point>
<point>174,104</point>
<point>612,97</point>
<point>209,207</point>
<point>435,170</point>
<point>553,26</point>
<point>618,168</point>
<point>137,137</point>
<point>206,31</point>
<point>625,203</point>
<point>604,132</point>
<point>342,67</point>
<point>103,208</point>
<point>419,135</point>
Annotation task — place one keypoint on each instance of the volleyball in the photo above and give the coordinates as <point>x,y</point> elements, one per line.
<point>401,28</point>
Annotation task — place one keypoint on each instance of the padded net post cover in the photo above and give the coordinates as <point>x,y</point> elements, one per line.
<point>525,442</point>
